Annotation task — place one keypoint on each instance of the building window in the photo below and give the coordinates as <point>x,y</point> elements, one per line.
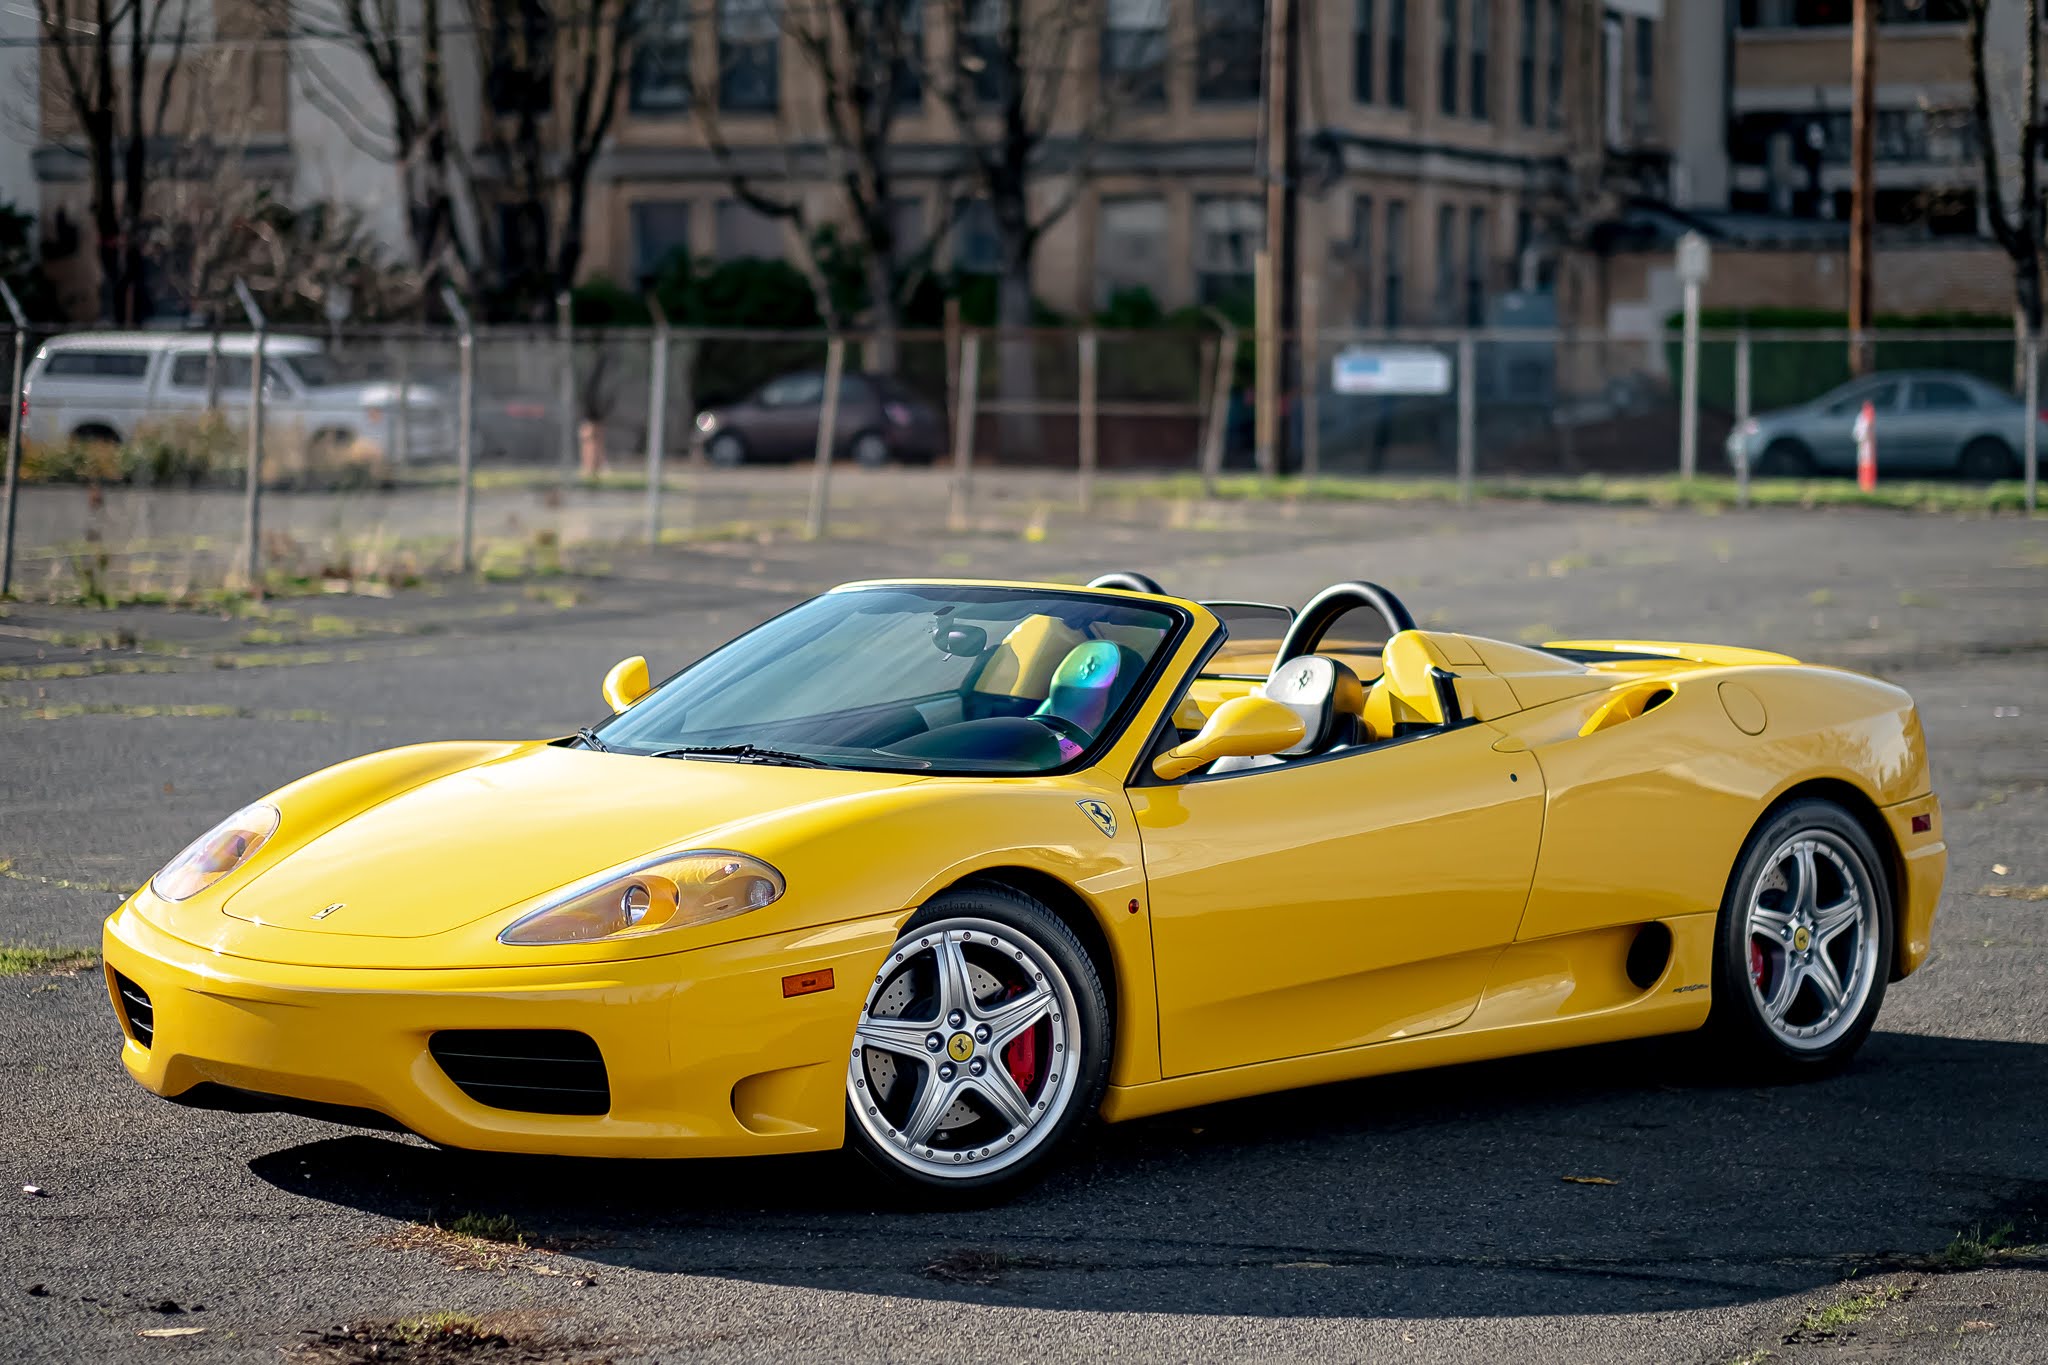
<point>1613,77</point>
<point>1838,13</point>
<point>749,56</point>
<point>906,77</point>
<point>1361,260</point>
<point>1134,50</point>
<point>1446,264</point>
<point>1130,248</point>
<point>1646,79</point>
<point>1475,268</point>
<point>1482,41</point>
<point>744,233</point>
<point>660,80</point>
<point>1447,57</point>
<point>521,70</point>
<point>1395,253</point>
<point>1227,235</point>
<point>1525,66</point>
<point>906,230</point>
<point>661,229</point>
<point>1397,53</point>
<point>1361,51</point>
<point>1229,50</point>
<point>1555,77</point>
<point>977,246</point>
<point>985,47</point>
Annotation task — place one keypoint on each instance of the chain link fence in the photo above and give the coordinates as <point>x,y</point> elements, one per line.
<point>129,473</point>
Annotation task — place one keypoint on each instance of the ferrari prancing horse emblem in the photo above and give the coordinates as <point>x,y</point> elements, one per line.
<point>960,1047</point>
<point>323,914</point>
<point>1101,814</point>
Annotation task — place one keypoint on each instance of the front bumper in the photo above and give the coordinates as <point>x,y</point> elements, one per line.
<point>704,1053</point>
<point>1923,862</point>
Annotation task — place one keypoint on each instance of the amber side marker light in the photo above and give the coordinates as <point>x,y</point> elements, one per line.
<point>1922,824</point>
<point>807,983</point>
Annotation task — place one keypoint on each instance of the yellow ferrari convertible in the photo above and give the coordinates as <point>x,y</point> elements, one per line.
<point>944,871</point>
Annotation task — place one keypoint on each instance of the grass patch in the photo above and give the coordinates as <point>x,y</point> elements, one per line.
<point>1596,489</point>
<point>486,1227</point>
<point>1970,1249</point>
<point>1829,1319</point>
<point>18,960</point>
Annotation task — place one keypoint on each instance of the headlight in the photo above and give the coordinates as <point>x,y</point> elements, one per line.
<point>673,891</point>
<point>706,421</point>
<point>216,853</point>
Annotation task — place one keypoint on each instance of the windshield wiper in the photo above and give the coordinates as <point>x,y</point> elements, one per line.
<point>590,739</point>
<point>740,753</point>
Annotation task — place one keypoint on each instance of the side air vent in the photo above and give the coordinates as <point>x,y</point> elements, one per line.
<point>136,1011</point>
<point>1648,955</point>
<point>1626,705</point>
<point>533,1071</point>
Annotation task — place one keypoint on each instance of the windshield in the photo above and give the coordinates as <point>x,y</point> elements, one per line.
<point>322,369</point>
<point>999,681</point>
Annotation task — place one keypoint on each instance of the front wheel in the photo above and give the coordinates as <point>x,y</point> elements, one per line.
<point>1986,460</point>
<point>1804,944</point>
<point>870,450</point>
<point>983,1045</point>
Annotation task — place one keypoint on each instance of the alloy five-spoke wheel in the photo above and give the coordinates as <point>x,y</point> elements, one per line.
<point>980,1045</point>
<point>1805,946</point>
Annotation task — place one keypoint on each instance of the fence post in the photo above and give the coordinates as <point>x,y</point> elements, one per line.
<point>2033,349</point>
<point>401,444</point>
<point>252,486</point>
<point>657,417</point>
<point>1742,403</point>
<point>968,387</point>
<point>213,363</point>
<point>1468,414</point>
<point>565,390</point>
<point>1689,412</point>
<point>828,432</point>
<point>1219,410</point>
<point>12,481</point>
<point>1311,381</point>
<point>1088,418</point>
<point>465,417</point>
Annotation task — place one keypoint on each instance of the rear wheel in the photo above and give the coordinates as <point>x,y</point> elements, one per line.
<point>982,1047</point>
<point>1785,458</point>
<point>1804,943</point>
<point>869,450</point>
<point>727,450</point>
<point>1987,459</point>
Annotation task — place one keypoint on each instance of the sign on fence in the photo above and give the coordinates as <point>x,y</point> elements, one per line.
<point>1411,369</point>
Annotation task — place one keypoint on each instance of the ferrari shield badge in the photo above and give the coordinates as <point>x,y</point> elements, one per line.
<point>1101,814</point>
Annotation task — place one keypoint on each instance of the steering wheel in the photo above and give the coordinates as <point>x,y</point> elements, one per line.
<point>1325,607</point>
<point>1129,582</point>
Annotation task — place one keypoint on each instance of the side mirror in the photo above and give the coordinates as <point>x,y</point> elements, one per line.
<point>626,683</point>
<point>1243,727</point>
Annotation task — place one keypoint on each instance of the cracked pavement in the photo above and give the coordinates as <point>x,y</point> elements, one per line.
<point>1414,1218</point>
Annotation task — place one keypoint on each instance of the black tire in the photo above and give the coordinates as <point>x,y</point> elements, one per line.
<point>1785,458</point>
<point>869,450</point>
<point>727,450</point>
<point>1739,1032</point>
<point>1053,943</point>
<point>93,433</point>
<point>1986,460</point>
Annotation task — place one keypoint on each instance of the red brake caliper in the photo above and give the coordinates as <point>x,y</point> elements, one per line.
<point>1756,964</point>
<point>1021,1056</point>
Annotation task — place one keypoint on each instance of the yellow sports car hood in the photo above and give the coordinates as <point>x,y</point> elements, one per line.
<point>476,841</point>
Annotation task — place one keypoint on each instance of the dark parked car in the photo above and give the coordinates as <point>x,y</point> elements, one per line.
<point>880,419</point>
<point>1928,422</point>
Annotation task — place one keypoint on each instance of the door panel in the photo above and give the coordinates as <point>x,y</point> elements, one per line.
<point>1322,905</point>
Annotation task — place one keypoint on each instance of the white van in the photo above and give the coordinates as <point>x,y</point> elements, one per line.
<point>105,385</point>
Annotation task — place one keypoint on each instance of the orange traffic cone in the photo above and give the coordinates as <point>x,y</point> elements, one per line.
<point>1866,449</point>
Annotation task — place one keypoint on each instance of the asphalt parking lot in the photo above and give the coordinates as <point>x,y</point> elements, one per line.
<point>1433,1217</point>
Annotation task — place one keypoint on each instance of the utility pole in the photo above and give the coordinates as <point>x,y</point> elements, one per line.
<point>1277,123</point>
<point>1863,156</point>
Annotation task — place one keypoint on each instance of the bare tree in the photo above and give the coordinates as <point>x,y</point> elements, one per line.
<point>2017,133</point>
<point>865,59</point>
<point>512,227</point>
<point>117,63</point>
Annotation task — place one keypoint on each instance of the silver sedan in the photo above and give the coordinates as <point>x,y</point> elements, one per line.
<point>1928,422</point>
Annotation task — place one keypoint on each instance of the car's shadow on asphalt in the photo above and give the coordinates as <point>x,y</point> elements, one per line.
<point>1477,1190</point>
